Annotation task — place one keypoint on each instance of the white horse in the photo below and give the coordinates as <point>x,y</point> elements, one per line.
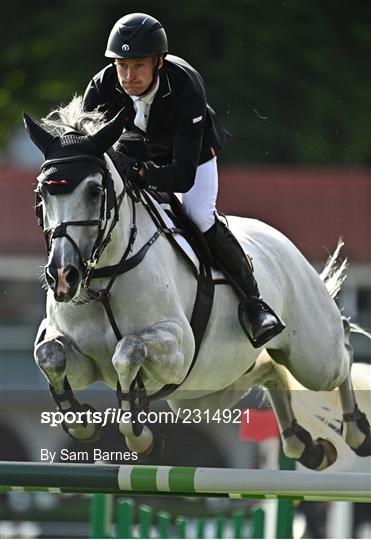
<point>146,328</point>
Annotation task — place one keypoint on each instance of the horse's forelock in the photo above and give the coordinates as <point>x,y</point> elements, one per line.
<point>73,116</point>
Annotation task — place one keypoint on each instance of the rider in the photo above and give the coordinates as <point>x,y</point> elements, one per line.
<point>166,106</point>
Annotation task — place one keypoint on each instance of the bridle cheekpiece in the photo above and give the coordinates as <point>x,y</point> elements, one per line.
<point>110,203</point>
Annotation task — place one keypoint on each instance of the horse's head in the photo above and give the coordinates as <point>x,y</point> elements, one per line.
<point>76,200</point>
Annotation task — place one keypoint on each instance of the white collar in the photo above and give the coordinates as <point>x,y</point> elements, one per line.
<point>150,96</point>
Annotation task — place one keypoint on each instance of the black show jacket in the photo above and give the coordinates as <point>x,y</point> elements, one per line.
<point>182,130</point>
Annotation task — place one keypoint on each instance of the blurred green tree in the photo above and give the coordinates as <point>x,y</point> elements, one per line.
<point>290,80</point>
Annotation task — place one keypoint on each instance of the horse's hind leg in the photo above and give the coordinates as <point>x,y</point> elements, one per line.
<point>297,442</point>
<point>355,427</point>
<point>51,353</point>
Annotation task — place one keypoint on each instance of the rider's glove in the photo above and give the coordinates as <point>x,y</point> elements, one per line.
<point>131,169</point>
<point>134,176</point>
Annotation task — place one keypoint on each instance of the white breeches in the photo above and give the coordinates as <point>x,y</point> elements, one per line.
<point>199,202</point>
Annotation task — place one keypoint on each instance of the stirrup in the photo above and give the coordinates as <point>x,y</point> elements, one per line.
<point>269,334</point>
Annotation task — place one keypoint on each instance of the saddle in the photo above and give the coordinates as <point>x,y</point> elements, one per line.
<point>189,230</point>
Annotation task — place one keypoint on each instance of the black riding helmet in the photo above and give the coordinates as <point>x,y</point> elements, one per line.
<point>137,35</point>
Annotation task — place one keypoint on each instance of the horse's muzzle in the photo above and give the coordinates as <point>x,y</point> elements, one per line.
<point>64,282</point>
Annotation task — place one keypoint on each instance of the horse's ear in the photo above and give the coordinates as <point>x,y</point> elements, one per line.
<point>110,133</point>
<point>37,134</point>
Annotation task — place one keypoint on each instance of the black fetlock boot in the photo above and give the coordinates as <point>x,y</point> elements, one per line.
<point>257,319</point>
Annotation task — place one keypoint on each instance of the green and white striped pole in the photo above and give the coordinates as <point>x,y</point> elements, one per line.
<point>197,481</point>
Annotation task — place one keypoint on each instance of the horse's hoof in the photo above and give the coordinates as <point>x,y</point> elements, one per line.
<point>330,453</point>
<point>92,436</point>
<point>359,418</point>
<point>95,436</point>
<point>318,455</point>
<point>157,447</point>
<point>365,449</point>
<point>141,444</point>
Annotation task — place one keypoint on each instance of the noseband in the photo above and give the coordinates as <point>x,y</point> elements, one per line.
<point>110,202</point>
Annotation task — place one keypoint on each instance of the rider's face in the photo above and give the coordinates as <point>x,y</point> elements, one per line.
<point>135,75</point>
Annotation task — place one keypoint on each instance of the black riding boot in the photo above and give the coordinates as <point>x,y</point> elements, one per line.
<point>258,320</point>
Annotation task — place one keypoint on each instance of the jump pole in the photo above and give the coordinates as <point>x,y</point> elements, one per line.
<point>197,481</point>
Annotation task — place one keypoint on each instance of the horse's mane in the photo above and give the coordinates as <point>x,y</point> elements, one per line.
<point>73,116</point>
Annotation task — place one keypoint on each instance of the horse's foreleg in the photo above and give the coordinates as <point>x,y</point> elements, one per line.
<point>297,442</point>
<point>355,427</point>
<point>158,350</point>
<point>127,360</point>
<point>51,355</point>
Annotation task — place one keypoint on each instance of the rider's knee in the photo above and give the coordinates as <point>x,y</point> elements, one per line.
<point>203,218</point>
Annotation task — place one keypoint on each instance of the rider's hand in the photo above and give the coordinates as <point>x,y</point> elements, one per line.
<point>136,176</point>
<point>133,169</point>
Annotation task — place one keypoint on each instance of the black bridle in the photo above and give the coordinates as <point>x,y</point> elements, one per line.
<point>110,202</point>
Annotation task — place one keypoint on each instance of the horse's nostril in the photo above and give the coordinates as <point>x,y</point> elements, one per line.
<point>73,276</point>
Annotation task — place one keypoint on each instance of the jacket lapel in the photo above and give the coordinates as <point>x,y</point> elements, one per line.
<point>160,103</point>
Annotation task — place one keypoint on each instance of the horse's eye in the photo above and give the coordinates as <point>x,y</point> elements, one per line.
<point>94,191</point>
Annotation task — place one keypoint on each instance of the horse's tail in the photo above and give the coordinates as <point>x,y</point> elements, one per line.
<point>334,273</point>
<point>333,276</point>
